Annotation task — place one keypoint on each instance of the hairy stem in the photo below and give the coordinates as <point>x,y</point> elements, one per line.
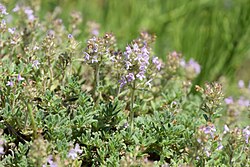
<point>33,124</point>
<point>132,106</point>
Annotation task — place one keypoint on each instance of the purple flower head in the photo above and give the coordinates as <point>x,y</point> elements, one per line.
<point>141,75</point>
<point>243,102</point>
<point>207,151</point>
<point>11,30</point>
<point>220,146</point>
<point>128,52</point>
<point>95,32</point>
<point>193,64</point>
<point>35,64</point>
<point>70,36</point>
<point>143,67</point>
<point>229,100</point>
<point>87,56</point>
<point>16,8</point>
<point>29,13</point>
<point>145,51</point>
<point>136,48</point>
<point>226,129</point>
<point>20,78</point>
<point>174,54</point>
<point>182,62</point>
<point>2,150</point>
<point>3,23</point>
<point>73,153</point>
<point>10,83</point>
<point>128,64</point>
<point>210,129</point>
<point>241,84</point>
<point>122,82</point>
<point>246,133</point>
<point>1,147</point>
<point>155,60</point>
<point>94,59</point>
<point>157,63</point>
<point>130,77</point>
<point>3,10</point>
<point>51,33</point>
<point>35,48</point>
<point>51,162</point>
<point>148,83</point>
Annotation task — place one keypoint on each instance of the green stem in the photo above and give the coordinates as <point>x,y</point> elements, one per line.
<point>33,123</point>
<point>96,84</point>
<point>132,106</point>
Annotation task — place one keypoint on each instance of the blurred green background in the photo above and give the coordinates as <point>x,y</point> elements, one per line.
<point>216,33</point>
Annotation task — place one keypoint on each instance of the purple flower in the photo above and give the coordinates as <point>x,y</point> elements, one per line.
<point>10,83</point>
<point>122,82</point>
<point>182,62</point>
<point>193,64</point>
<point>95,32</point>
<point>20,78</point>
<point>11,30</point>
<point>130,77</point>
<point>136,47</point>
<point>143,67</point>
<point>157,63</point>
<point>51,162</point>
<point>243,102</point>
<point>94,59</point>
<point>226,129</point>
<point>3,23</point>
<point>1,147</point>
<point>70,36</point>
<point>2,150</point>
<point>207,151</point>
<point>128,64</point>
<point>241,84</point>
<point>3,10</point>
<point>29,13</point>
<point>220,146</point>
<point>87,56</point>
<point>174,54</point>
<point>210,129</point>
<point>148,83</point>
<point>36,48</point>
<point>35,64</point>
<point>73,152</point>
<point>16,9</point>
<point>229,100</point>
<point>246,133</point>
<point>128,52</point>
<point>141,75</point>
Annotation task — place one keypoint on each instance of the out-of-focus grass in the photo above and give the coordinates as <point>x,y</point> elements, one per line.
<point>216,33</point>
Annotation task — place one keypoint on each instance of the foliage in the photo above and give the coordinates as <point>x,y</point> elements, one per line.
<point>64,102</point>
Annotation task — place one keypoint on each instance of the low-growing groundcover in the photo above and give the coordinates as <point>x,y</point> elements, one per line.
<point>67,102</point>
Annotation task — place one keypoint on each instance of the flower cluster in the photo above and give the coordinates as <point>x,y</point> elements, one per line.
<point>3,10</point>
<point>207,137</point>
<point>73,152</point>
<point>99,49</point>
<point>10,83</point>
<point>138,63</point>
<point>246,133</point>
<point>50,161</point>
<point>237,105</point>
<point>212,93</point>
<point>174,61</point>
